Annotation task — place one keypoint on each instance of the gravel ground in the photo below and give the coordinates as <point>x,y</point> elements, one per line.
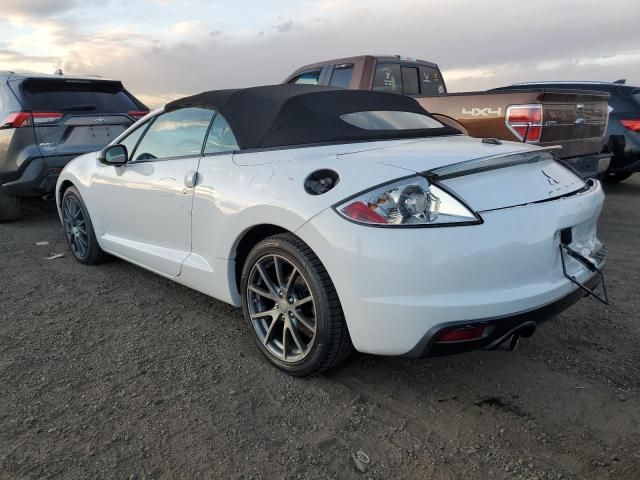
<point>114,372</point>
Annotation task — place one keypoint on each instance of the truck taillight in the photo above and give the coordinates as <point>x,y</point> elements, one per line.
<point>25,119</point>
<point>633,125</point>
<point>525,122</point>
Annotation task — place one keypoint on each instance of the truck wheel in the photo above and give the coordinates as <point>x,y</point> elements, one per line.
<point>10,207</point>
<point>612,177</point>
<point>292,307</point>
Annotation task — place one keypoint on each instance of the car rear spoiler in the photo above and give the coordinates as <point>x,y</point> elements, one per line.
<point>492,162</point>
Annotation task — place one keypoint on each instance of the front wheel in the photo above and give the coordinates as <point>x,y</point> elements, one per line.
<point>78,229</point>
<point>292,307</point>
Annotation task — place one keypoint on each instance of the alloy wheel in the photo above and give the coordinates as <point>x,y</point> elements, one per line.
<point>75,226</point>
<point>282,308</point>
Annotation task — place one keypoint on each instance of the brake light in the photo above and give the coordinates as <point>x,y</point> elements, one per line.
<point>361,212</point>
<point>462,334</point>
<point>633,125</point>
<point>525,122</point>
<point>137,114</point>
<point>45,117</point>
<point>25,119</point>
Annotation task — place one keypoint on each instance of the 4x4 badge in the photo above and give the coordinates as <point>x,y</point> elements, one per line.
<point>99,120</point>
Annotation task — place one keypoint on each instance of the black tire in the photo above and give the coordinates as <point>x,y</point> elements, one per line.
<point>613,177</point>
<point>10,207</point>
<point>332,343</point>
<point>93,253</point>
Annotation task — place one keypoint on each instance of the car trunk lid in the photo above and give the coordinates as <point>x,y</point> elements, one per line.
<point>485,176</point>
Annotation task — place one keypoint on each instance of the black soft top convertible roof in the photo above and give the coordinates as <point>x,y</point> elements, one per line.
<point>287,115</point>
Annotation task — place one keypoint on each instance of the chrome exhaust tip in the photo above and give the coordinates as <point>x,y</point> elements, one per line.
<point>509,344</point>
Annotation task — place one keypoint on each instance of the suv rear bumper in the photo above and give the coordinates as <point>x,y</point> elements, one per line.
<point>589,166</point>
<point>39,177</point>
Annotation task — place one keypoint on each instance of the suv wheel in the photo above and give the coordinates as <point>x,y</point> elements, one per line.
<point>292,307</point>
<point>10,207</point>
<point>616,177</point>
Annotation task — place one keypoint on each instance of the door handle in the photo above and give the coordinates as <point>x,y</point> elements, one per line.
<point>190,179</point>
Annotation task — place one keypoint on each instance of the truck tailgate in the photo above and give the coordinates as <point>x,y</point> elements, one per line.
<point>576,121</point>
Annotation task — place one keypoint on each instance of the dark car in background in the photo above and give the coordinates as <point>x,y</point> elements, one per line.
<point>47,120</point>
<point>622,137</point>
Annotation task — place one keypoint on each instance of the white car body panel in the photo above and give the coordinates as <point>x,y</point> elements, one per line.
<point>509,264</point>
<point>394,284</point>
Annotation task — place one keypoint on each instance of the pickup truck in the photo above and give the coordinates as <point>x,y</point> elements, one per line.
<point>574,120</point>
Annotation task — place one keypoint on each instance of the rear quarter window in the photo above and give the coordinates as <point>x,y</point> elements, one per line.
<point>69,95</point>
<point>410,83</point>
<point>431,83</point>
<point>341,76</point>
<point>387,78</point>
<point>306,78</point>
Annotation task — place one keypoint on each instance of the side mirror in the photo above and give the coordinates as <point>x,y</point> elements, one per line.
<point>114,155</point>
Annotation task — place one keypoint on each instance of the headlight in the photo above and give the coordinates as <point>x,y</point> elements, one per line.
<point>410,202</point>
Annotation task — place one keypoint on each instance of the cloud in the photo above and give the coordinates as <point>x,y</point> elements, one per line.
<point>284,26</point>
<point>477,46</point>
<point>21,62</point>
<point>36,8</point>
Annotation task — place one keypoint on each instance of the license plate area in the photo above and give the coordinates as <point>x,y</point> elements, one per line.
<point>100,134</point>
<point>567,252</point>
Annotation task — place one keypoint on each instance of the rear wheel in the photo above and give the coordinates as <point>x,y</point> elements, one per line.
<point>613,177</point>
<point>292,307</point>
<point>10,207</point>
<point>78,229</point>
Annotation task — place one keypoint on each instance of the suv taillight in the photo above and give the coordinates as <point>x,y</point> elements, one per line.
<point>25,119</point>
<point>137,114</point>
<point>525,122</point>
<point>633,125</point>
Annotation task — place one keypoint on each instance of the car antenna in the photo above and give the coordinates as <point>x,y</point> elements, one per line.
<point>622,81</point>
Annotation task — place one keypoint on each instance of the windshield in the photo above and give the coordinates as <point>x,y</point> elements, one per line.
<point>390,120</point>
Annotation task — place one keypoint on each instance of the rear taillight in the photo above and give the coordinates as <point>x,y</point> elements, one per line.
<point>137,114</point>
<point>525,122</point>
<point>25,119</point>
<point>462,334</point>
<point>633,125</point>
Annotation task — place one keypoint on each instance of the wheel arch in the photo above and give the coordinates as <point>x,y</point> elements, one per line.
<point>63,188</point>
<point>247,240</point>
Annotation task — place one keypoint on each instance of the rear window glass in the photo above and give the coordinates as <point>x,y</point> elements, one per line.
<point>307,78</point>
<point>341,76</point>
<point>387,78</point>
<point>76,96</point>
<point>410,85</point>
<point>636,96</point>
<point>390,120</point>
<point>431,83</point>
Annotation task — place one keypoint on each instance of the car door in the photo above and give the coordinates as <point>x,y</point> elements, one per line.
<point>144,206</point>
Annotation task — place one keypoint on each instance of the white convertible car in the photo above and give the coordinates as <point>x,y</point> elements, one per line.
<point>340,219</point>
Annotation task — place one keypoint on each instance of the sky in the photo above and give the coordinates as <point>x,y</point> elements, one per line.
<point>164,49</point>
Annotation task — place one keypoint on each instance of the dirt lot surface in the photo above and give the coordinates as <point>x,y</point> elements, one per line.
<point>114,372</point>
